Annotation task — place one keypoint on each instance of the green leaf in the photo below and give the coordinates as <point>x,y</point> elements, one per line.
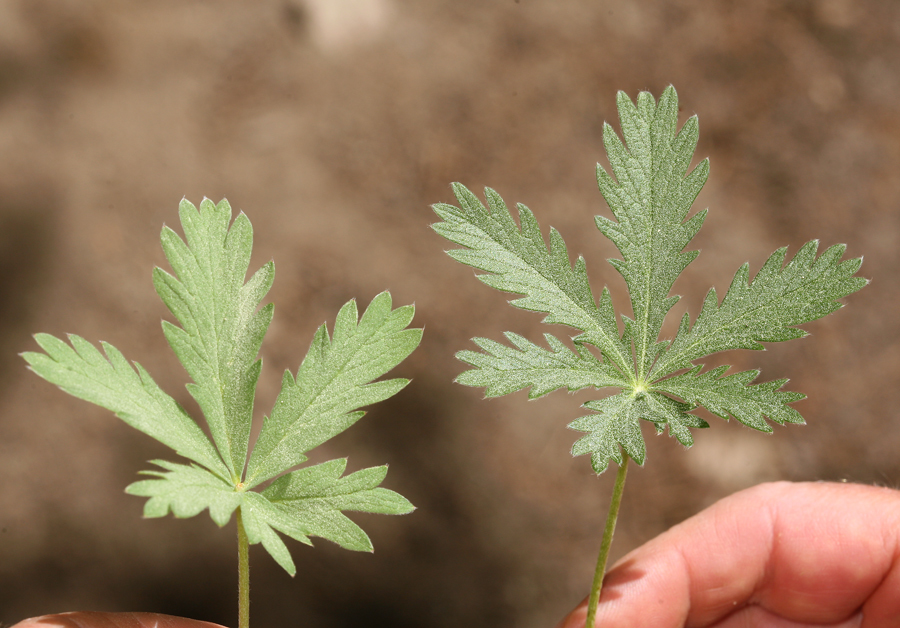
<point>221,329</point>
<point>664,411</point>
<point>765,309</point>
<point>334,380</point>
<point>307,502</point>
<point>650,192</point>
<point>111,382</point>
<point>315,496</point>
<point>517,260</point>
<point>650,202</point>
<point>614,427</point>
<point>502,370</point>
<point>186,491</point>
<point>261,519</point>
<point>735,396</point>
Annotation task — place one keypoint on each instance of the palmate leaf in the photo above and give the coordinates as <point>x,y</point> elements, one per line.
<point>222,326</point>
<point>650,199</point>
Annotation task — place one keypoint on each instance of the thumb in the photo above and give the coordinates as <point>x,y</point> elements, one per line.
<point>95,619</point>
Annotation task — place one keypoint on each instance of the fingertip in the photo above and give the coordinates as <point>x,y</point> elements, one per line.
<point>576,618</point>
<point>96,619</point>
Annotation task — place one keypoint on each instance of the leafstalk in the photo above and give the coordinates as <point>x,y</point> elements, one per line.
<point>611,517</point>
<point>243,574</point>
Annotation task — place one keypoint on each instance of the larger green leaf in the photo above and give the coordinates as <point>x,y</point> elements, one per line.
<point>650,193</point>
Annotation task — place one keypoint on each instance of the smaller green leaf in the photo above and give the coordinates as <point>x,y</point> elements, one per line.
<point>614,426</point>
<point>335,378</point>
<point>186,491</point>
<point>129,392</point>
<point>221,329</point>
<point>735,396</point>
<point>315,496</point>
<point>502,370</point>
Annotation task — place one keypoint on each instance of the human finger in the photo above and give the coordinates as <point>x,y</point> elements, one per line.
<point>812,554</point>
<point>96,619</point>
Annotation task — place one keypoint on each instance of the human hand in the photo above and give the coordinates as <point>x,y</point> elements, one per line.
<point>92,619</point>
<point>779,555</point>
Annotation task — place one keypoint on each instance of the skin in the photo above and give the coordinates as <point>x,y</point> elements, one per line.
<point>90,619</point>
<point>778,555</point>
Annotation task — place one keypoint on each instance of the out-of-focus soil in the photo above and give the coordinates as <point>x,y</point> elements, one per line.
<point>335,125</point>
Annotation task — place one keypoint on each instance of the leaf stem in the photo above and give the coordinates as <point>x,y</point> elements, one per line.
<point>600,570</point>
<point>243,574</point>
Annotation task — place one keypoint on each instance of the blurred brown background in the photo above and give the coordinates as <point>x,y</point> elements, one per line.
<point>335,124</point>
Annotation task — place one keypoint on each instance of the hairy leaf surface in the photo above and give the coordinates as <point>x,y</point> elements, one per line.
<point>650,192</point>
<point>335,379</point>
<point>766,309</point>
<point>502,370</point>
<point>129,392</point>
<point>517,260</point>
<point>222,328</point>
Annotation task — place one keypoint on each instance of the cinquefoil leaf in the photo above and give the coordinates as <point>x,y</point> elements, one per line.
<point>222,327</point>
<point>650,191</point>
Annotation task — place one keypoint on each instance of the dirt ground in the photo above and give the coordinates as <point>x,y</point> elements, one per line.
<point>335,124</point>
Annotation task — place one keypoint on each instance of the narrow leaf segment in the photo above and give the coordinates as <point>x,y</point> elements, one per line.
<point>650,192</point>
<point>221,329</point>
